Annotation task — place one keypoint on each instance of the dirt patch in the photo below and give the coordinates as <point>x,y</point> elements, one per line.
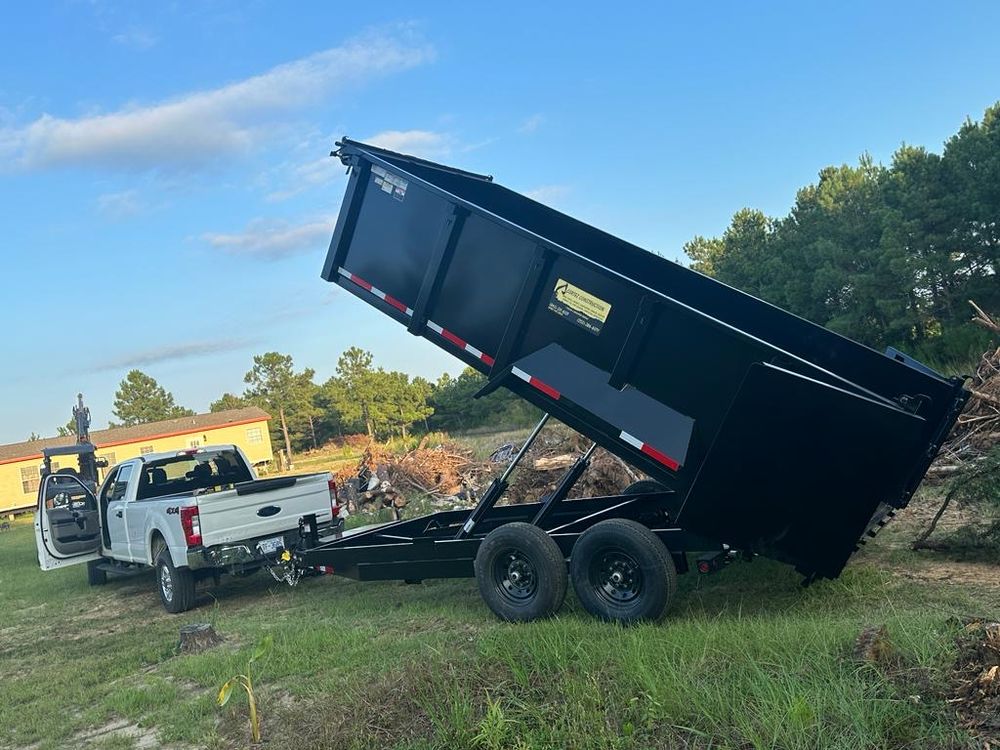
<point>975,680</point>
<point>386,713</point>
<point>142,739</point>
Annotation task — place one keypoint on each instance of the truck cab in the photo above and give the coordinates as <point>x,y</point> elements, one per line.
<point>190,514</point>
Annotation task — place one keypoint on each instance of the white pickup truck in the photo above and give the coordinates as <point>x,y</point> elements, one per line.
<point>191,514</point>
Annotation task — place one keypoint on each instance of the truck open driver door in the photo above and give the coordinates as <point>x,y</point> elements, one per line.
<point>67,523</point>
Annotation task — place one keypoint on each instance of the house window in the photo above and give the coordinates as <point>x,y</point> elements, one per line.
<point>145,450</point>
<point>110,458</point>
<point>255,435</point>
<point>29,480</point>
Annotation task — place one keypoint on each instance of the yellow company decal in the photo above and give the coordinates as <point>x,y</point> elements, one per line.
<point>579,306</point>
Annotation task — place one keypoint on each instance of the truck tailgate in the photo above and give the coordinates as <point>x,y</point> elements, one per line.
<point>263,508</point>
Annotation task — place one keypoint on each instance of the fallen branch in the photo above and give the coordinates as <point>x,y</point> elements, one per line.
<point>983,319</point>
<point>985,397</point>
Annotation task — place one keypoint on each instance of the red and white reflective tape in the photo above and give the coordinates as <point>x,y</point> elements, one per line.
<point>531,380</point>
<point>388,298</point>
<point>444,332</point>
<point>326,569</point>
<point>650,451</point>
<point>460,342</point>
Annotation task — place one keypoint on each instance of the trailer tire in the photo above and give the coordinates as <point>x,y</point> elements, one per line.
<point>622,572</point>
<point>521,573</point>
<point>176,585</point>
<point>96,576</point>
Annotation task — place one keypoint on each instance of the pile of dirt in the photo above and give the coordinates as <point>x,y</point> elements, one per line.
<point>975,680</point>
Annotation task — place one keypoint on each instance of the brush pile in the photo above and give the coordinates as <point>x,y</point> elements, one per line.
<point>448,476</point>
<point>550,457</point>
<point>975,682</point>
<point>381,479</point>
<point>978,428</point>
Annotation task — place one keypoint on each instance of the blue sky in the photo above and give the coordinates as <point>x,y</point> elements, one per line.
<point>167,195</point>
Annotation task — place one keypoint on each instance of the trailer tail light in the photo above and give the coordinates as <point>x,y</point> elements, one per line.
<point>334,504</point>
<point>191,524</point>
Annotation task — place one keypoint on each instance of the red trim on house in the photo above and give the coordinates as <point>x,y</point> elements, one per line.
<point>146,438</point>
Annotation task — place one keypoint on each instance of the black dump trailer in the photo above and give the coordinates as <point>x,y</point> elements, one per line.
<point>762,433</point>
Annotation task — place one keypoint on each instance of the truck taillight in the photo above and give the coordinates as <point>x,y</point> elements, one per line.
<point>334,504</point>
<point>191,524</point>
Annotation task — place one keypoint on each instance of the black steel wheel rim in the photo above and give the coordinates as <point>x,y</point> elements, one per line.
<point>515,576</point>
<point>615,576</point>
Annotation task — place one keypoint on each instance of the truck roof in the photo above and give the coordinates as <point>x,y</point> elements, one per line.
<point>149,457</point>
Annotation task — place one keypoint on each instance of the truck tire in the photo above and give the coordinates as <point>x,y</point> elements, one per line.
<point>521,573</point>
<point>96,576</point>
<point>622,572</point>
<point>176,585</point>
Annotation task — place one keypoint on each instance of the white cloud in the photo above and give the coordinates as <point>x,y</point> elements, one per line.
<point>423,143</point>
<point>531,124</point>
<point>199,127</point>
<point>548,194</point>
<point>273,240</point>
<point>169,353</point>
<point>306,176</point>
<point>135,38</point>
<point>296,178</point>
<point>120,205</point>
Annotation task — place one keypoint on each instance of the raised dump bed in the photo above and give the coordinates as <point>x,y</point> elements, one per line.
<point>769,434</point>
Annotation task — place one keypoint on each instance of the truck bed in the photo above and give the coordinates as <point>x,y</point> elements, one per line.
<point>262,507</point>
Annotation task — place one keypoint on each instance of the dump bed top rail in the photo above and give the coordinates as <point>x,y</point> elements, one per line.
<point>777,435</point>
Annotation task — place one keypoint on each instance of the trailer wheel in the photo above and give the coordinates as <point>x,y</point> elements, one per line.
<point>176,585</point>
<point>96,576</point>
<point>622,572</point>
<point>521,573</point>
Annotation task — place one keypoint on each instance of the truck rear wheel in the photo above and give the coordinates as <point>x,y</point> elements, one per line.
<point>96,576</point>
<point>622,572</point>
<point>521,573</point>
<point>176,585</point>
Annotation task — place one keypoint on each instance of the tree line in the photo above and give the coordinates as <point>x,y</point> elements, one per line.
<point>886,255</point>
<point>358,398</point>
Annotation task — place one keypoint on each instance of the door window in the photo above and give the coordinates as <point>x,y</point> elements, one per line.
<point>108,487</point>
<point>120,484</point>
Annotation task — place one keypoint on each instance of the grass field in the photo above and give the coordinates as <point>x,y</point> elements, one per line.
<point>746,659</point>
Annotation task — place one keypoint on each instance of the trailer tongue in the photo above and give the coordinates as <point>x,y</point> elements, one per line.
<point>765,433</point>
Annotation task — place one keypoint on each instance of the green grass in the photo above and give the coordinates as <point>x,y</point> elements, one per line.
<point>747,658</point>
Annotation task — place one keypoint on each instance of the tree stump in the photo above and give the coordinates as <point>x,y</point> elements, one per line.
<point>198,637</point>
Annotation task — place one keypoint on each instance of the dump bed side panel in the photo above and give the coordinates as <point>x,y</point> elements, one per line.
<point>441,253</point>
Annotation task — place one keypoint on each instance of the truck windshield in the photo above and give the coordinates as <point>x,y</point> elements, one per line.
<point>190,471</point>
